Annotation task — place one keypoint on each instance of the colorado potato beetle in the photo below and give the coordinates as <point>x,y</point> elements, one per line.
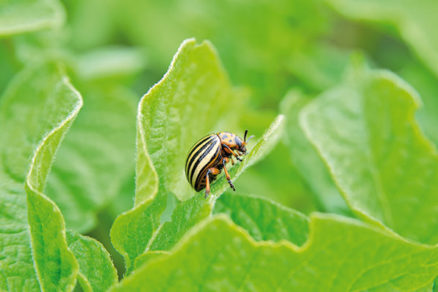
<point>210,155</point>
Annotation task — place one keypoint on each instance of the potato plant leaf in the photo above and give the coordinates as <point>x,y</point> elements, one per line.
<point>147,256</point>
<point>96,156</point>
<point>183,107</point>
<point>387,170</point>
<point>195,83</point>
<point>96,270</point>
<point>264,219</point>
<point>307,159</point>
<point>35,113</point>
<point>426,83</point>
<point>341,254</point>
<point>187,213</point>
<point>172,116</point>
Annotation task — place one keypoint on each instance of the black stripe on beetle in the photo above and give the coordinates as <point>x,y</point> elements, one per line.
<point>210,155</point>
<point>197,151</point>
<point>194,151</point>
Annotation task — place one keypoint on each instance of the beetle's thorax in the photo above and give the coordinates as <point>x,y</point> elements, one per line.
<point>232,142</point>
<point>228,139</point>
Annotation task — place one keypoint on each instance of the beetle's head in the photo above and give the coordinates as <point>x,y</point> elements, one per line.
<point>242,144</point>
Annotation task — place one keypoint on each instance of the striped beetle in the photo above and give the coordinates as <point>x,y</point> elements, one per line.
<point>209,156</point>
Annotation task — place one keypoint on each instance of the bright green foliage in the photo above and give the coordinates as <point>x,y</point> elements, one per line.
<point>307,160</point>
<point>132,231</point>
<point>263,219</point>
<point>176,220</point>
<point>340,254</point>
<point>386,169</point>
<point>96,157</point>
<point>426,83</point>
<point>414,21</point>
<point>40,104</point>
<point>351,147</point>
<point>194,83</point>
<point>182,108</point>
<point>142,259</point>
<point>172,218</point>
<point>19,16</point>
<point>96,270</point>
<point>158,223</point>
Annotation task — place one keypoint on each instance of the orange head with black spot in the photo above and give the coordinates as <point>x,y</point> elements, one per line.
<point>231,142</point>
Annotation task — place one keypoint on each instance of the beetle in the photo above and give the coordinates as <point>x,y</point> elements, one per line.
<point>210,155</point>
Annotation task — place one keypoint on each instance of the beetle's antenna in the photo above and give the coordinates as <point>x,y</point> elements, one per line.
<point>249,138</point>
<point>244,137</point>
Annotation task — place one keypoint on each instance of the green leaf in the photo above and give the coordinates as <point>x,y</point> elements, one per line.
<point>20,16</point>
<point>147,256</point>
<point>160,231</point>
<point>188,213</point>
<point>35,113</point>
<point>97,272</point>
<point>306,158</point>
<point>341,254</point>
<point>185,215</point>
<point>55,264</point>
<point>195,83</point>
<point>184,106</point>
<point>264,219</point>
<point>181,108</point>
<point>96,157</point>
<point>415,22</point>
<point>427,85</point>
<point>387,170</point>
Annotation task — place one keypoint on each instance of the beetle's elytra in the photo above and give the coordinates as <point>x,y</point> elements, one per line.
<point>210,155</point>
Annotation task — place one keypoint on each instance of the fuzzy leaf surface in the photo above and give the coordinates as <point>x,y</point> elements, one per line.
<point>35,113</point>
<point>387,170</point>
<point>195,83</point>
<point>341,254</point>
<point>307,159</point>
<point>180,109</point>
<point>264,219</point>
<point>97,272</point>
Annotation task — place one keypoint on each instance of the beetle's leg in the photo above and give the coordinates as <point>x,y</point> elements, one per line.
<point>227,175</point>
<point>232,152</point>
<point>213,171</point>
<point>207,184</point>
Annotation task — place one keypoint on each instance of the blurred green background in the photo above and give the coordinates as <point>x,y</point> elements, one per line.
<point>278,53</point>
